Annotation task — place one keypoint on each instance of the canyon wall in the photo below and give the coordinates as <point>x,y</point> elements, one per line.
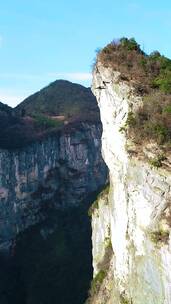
<point>132,225</point>
<point>61,171</point>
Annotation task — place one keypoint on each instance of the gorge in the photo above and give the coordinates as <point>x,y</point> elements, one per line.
<point>49,177</point>
<point>56,195</point>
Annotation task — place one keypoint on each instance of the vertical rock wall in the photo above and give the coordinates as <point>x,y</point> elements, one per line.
<point>61,171</point>
<point>139,206</point>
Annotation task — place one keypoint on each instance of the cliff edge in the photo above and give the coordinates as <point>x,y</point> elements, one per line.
<point>132,222</point>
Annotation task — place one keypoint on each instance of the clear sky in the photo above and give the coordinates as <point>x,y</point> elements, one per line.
<point>45,40</point>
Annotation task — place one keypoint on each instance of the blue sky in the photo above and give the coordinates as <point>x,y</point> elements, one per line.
<point>44,40</point>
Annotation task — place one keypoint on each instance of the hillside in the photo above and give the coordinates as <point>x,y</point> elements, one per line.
<point>56,107</point>
<point>60,98</point>
<point>11,126</point>
<point>150,77</point>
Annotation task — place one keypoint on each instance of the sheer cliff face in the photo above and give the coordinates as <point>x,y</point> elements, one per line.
<point>61,171</point>
<point>138,213</point>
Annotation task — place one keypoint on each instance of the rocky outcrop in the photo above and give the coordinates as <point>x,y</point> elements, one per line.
<point>138,212</point>
<point>60,171</point>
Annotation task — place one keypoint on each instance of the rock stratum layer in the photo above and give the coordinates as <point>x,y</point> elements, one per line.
<point>136,216</point>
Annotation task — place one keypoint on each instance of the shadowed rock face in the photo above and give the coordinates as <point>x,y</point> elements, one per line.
<point>51,262</point>
<point>46,163</point>
<point>49,176</point>
<point>59,172</point>
<point>46,190</point>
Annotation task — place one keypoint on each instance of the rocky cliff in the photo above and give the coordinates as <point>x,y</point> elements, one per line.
<point>132,224</point>
<point>51,169</point>
<point>60,171</point>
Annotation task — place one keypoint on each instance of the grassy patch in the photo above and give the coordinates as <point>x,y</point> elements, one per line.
<point>108,243</point>
<point>124,300</point>
<point>44,122</point>
<point>159,237</point>
<point>101,275</point>
<point>131,120</point>
<point>157,162</point>
<point>97,281</point>
<point>95,205</point>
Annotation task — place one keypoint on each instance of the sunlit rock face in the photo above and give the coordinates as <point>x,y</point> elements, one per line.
<point>139,208</point>
<point>61,171</point>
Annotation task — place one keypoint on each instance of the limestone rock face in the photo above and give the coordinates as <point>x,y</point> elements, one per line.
<point>61,171</point>
<point>138,213</point>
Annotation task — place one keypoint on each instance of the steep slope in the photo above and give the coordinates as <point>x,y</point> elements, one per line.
<point>59,106</point>
<point>61,171</point>
<point>60,166</point>
<point>9,124</point>
<point>47,183</point>
<point>136,215</point>
<point>61,98</point>
<point>5,108</point>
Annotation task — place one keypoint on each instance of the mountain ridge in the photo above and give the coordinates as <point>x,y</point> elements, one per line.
<point>55,108</point>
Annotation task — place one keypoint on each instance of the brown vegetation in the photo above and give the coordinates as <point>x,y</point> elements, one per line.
<point>152,120</point>
<point>151,77</point>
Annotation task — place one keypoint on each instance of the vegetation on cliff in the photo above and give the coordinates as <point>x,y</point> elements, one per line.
<point>150,75</point>
<point>60,106</point>
<point>103,195</point>
<point>60,98</point>
<point>99,290</point>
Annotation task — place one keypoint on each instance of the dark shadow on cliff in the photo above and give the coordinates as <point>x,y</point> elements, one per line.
<point>51,262</point>
<point>57,129</point>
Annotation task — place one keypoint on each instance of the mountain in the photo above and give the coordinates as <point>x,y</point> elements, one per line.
<point>57,107</point>
<point>61,98</point>
<point>51,169</point>
<point>6,116</point>
<point>5,108</point>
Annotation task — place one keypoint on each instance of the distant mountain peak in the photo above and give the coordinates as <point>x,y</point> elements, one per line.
<point>57,107</point>
<point>60,97</point>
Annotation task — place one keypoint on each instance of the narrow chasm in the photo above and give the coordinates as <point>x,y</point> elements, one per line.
<point>50,262</point>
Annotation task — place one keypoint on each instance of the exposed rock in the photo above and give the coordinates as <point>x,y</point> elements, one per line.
<point>139,200</point>
<point>61,171</point>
